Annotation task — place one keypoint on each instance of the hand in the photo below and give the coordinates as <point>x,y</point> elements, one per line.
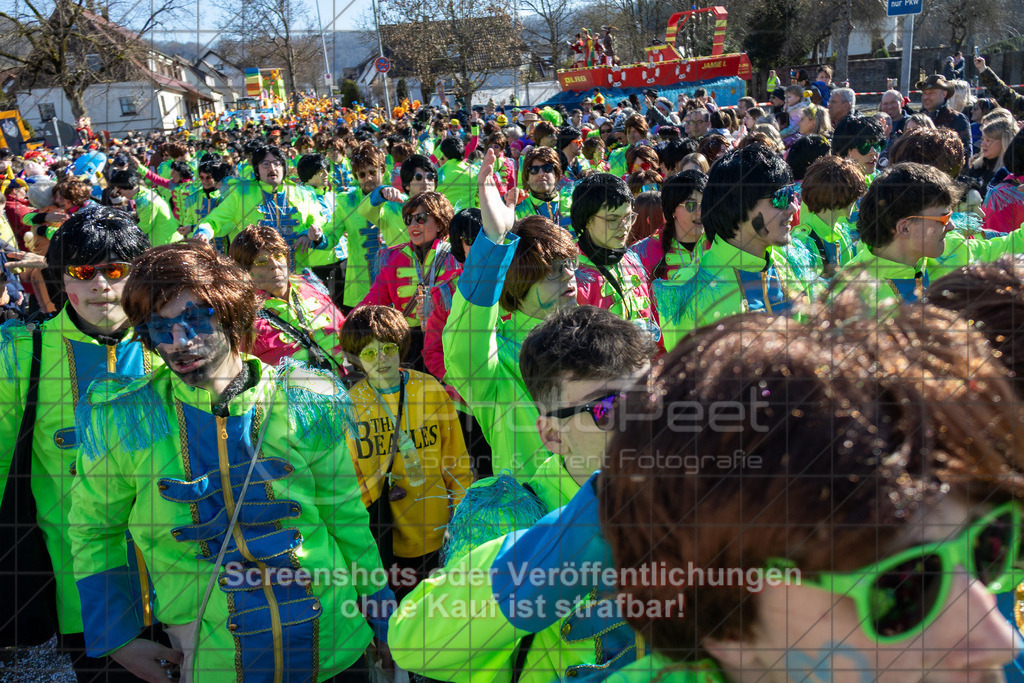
<point>5,296</point>
<point>316,233</point>
<point>142,658</point>
<point>303,243</point>
<point>202,237</point>
<point>497,213</point>
<point>26,259</point>
<point>185,230</point>
<point>421,307</point>
<point>515,195</point>
<point>56,217</point>
<point>384,652</point>
<point>391,194</point>
<point>979,64</point>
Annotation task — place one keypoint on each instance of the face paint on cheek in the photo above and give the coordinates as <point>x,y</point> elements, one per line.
<point>541,304</point>
<point>759,227</point>
<point>73,298</point>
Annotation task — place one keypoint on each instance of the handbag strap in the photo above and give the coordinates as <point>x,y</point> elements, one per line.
<point>321,359</point>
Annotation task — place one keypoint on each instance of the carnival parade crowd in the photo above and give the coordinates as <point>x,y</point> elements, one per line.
<point>640,390</point>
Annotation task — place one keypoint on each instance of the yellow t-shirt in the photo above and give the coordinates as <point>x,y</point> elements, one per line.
<point>430,419</point>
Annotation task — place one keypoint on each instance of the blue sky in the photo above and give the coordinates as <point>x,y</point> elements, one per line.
<point>337,15</point>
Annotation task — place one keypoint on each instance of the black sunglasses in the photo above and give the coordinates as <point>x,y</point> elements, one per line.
<point>420,177</point>
<point>602,411</point>
<point>546,168</point>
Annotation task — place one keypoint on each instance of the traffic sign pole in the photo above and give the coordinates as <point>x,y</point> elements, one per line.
<point>906,9</point>
<point>908,54</point>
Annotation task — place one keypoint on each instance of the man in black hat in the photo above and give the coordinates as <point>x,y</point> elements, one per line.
<point>935,90</point>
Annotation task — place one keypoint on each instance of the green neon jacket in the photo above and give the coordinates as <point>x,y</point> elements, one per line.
<point>830,247</point>
<point>881,279</point>
<point>385,215</point>
<point>287,208</point>
<point>481,354</point>
<point>323,254</point>
<point>558,210</point>
<point>577,646</point>
<point>658,668</point>
<point>155,218</point>
<point>364,244</point>
<point>456,180</point>
<point>71,360</point>
<point>730,281</point>
<point>156,461</point>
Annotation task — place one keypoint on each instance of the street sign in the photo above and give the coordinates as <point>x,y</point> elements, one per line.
<point>898,8</point>
<point>383,65</point>
<point>327,79</point>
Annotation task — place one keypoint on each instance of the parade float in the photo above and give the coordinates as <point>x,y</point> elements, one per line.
<point>673,68</point>
<point>265,96</point>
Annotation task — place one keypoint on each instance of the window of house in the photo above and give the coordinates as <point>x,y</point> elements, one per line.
<point>47,111</point>
<point>127,106</point>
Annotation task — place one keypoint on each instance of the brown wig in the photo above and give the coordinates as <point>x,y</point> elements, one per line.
<point>542,130</point>
<point>383,323</point>
<point>989,296</point>
<point>639,154</point>
<point>832,182</point>
<point>939,147</point>
<point>638,180</point>
<point>544,155</point>
<point>251,241</point>
<point>164,272</point>
<point>849,436</point>
<point>76,191</point>
<point>367,156</point>
<point>173,150</point>
<point>401,151</point>
<point>497,140</point>
<point>637,123</point>
<point>541,243</point>
<point>713,146</point>
<point>435,204</point>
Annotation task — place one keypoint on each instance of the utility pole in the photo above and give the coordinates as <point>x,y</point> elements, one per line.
<point>323,44</point>
<point>380,53</point>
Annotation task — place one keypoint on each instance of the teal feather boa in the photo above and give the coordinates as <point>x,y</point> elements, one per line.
<point>491,508</point>
<point>130,420</point>
<point>324,417</point>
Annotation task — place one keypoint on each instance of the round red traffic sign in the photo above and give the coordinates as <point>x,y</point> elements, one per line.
<point>383,65</point>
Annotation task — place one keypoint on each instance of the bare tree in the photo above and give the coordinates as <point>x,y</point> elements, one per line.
<point>73,44</point>
<point>461,40</point>
<point>957,21</point>
<point>272,33</point>
<point>553,24</point>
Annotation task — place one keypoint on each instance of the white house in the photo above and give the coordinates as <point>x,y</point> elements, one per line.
<point>228,78</point>
<point>153,103</point>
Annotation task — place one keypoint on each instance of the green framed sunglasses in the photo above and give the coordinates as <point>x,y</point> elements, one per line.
<point>784,196</point>
<point>866,147</point>
<point>899,597</point>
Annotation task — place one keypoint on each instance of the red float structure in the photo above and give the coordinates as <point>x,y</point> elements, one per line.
<point>668,64</point>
